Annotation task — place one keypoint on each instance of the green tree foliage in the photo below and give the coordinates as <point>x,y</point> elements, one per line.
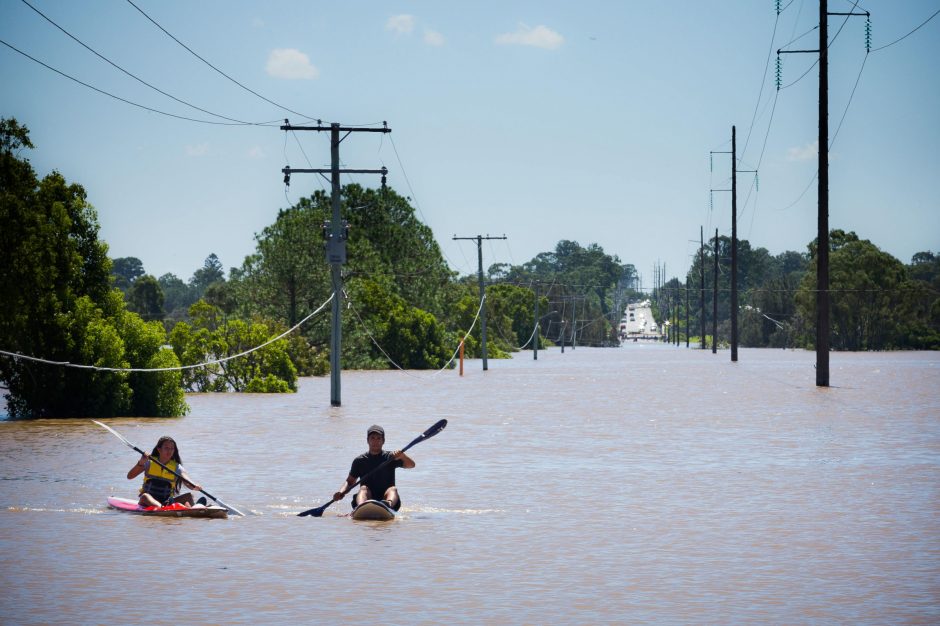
<point>581,284</point>
<point>211,272</point>
<point>177,297</point>
<point>766,288</point>
<point>919,308</point>
<point>388,252</point>
<point>409,337</point>
<point>125,271</point>
<point>213,337</point>
<point>511,316</point>
<point>873,303</point>
<point>146,298</point>
<point>287,274</point>
<point>56,303</point>
<point>206,282</point>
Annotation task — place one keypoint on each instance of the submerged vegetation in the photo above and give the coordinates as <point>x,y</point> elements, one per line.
<point>62,299</point>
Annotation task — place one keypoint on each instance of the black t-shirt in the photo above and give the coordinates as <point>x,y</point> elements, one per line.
<point>380,480</point>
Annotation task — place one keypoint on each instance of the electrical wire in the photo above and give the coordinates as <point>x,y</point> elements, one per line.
<point>111,95</point>
<point>909,34</point>
<point>137,78</point>
<point>96,368</point>
<point>391,360</point>
<point>191,51</point>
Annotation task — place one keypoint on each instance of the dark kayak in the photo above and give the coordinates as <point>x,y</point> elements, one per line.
<point>373,510</point>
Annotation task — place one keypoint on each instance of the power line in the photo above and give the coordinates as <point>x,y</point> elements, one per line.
<point>135,77</point>
<point>111,95</point>
<point>190,50</point>
<point>909,34</point>
<point>760,93</point>
<point>16,355</point>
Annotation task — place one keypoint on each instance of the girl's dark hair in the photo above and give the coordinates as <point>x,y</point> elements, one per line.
<point>176,448</point>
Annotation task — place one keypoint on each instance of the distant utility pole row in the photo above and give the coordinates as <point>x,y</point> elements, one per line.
<point>822,251</point>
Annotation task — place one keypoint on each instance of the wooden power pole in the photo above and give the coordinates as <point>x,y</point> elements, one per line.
<point>336,234</point>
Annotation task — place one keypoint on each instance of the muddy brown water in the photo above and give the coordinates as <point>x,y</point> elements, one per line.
<point>642,484</point>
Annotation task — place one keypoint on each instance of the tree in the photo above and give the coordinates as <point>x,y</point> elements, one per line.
<point>630,279</point>
<point>409,337</point>
<point>865,285</point>
<point>288,272</point>
<point>146,298</point>
<point>212,337</point>
<point>56,302</point>
<point>177,296</point>
<point>511,315</point>
<point>210,272</point>
<point>388,250</point>
<point>578,282</point>
<point>125,271</point>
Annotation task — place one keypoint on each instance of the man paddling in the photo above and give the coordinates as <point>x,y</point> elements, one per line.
<point>379,480</point>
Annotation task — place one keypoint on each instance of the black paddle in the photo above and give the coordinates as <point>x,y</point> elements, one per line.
<point>430,432</point>
<point>178,475</point>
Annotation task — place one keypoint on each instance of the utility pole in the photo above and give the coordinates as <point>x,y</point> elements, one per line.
<point>733,232</point>
<point>336,233</point>
<point>574,320</point>
<point>734,247</point>
<point>675,311</point>
<point>715,301</point>
<point>701,267</point>
<point>822,217</point>
<point>535,346</point>
<point>479,239</point>
<point>688,329</point>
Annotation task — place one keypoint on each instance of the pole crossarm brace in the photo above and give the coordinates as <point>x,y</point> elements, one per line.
<point>479,237</point>
<point>297,170</point>
<point>339,129</point>
<point>342,129</point>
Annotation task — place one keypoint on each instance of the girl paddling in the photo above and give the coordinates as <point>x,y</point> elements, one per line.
<point>161,487</point>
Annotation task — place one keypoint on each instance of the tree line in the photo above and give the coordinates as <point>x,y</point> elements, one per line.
<point>876,301</point>
<point>64,300</point>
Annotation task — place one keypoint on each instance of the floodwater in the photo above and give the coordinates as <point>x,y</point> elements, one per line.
<point>641,484</point>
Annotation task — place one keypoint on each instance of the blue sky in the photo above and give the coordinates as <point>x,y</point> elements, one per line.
<point>590,121</point>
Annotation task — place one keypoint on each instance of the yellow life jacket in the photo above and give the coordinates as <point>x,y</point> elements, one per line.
<point>160,483</point>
